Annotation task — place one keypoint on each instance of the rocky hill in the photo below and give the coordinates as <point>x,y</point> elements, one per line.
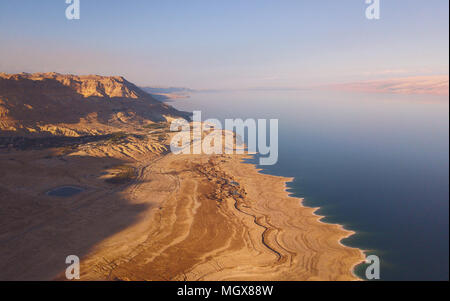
<point>70,105</point>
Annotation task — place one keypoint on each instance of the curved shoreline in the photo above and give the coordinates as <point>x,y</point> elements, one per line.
<point>184,217</point>
<point>320,218</point>
<point>218,218</point>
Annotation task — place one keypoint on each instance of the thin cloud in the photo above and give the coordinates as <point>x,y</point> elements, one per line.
<point>432,85</point>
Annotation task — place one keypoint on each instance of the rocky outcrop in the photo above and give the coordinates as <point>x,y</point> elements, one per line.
<point>72,105</point>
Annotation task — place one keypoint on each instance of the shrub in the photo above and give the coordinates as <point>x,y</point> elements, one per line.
<point>126,174</point>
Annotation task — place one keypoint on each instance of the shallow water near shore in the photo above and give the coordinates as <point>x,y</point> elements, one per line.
<point>376,164</point>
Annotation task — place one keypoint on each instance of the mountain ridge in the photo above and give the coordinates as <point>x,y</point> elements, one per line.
<point>75,105</point>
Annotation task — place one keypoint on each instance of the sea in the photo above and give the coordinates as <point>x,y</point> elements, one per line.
<point>378,164</point>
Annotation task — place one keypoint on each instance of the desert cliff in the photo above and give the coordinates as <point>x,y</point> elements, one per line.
<point>70,105</point>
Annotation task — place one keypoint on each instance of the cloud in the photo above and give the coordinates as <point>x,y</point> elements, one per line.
<point>432,85</point>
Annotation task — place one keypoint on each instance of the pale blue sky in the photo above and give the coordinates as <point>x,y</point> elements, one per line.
<point>207,44</point>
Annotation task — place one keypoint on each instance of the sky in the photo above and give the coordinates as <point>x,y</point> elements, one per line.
<point>227,44</point>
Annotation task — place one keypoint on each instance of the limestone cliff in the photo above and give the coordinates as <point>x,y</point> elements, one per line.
<point>71,105</point>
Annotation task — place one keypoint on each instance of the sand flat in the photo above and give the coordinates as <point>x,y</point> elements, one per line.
<point>205,230</point>
<point>184,217</point>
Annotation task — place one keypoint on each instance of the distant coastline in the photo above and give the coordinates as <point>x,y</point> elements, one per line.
<point>168,94</point>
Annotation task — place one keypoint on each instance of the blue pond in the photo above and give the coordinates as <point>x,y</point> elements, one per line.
<point>65,191</point>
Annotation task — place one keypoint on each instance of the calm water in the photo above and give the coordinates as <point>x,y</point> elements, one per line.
<point>65,191</point>
<point>377,164</point>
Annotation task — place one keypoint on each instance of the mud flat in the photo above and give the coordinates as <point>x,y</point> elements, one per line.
<point>180,217</point>
<point>217,218</point>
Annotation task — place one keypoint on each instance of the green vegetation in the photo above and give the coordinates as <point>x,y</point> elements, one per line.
<point>124,175</point>
<point>118,137</point>
<point>156,126</point>
<point>68,149</point>
<point>161,137</point>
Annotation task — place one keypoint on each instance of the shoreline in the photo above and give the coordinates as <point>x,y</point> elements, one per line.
<point>346,233</point>
<point>206,228</point>
<point>320,217</point>
<point>184,217</point>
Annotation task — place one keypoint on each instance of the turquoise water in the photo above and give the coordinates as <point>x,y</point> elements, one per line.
<point>377,164</point>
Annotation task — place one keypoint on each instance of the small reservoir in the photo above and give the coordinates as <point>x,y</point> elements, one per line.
<point>65,191</point>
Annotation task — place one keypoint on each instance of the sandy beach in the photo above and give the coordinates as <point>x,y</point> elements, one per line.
<point>183,217</point>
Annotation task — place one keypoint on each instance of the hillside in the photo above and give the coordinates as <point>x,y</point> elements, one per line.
<point>70,105</point>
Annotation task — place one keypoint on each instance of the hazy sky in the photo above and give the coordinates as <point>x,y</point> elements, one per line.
<point>227,43</point>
